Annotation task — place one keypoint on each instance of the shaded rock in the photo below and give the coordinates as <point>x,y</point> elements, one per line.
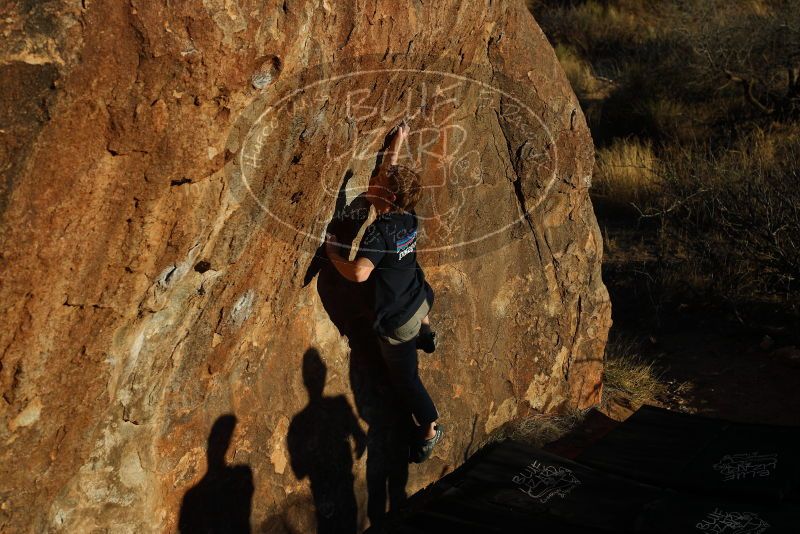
<point>165,185</point>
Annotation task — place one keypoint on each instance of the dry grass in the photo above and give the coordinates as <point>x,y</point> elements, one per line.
<point>588,23</point>
<point>628,170</point>
<point>670,118</point>
<point>536,430</point>
<point>585,84</point>
<point>578,71</point>
<point>626,373</point>
<point>761,151</point>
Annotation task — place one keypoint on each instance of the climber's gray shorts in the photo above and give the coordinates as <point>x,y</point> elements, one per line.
<point>410,329</point>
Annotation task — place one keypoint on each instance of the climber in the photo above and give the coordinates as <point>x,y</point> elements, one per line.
<point>402,297</point>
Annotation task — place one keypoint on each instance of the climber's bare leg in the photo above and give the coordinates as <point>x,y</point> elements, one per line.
<point>425,320</point>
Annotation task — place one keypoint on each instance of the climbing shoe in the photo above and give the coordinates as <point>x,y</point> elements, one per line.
<point>426,339</point>
<point>422,450</point>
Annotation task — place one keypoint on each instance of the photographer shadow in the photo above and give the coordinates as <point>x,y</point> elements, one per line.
<point>349,306</point>
<point>319,447</point>
<point>222,500</point>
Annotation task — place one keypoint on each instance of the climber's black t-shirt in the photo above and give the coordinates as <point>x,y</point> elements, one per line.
<point>390,243</point>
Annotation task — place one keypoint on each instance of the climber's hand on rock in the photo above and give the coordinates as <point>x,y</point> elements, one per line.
<point>398,138</point>
<point>403,130</point>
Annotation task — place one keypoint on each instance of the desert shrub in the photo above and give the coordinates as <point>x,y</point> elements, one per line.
<point>749,47</point>
<point>698,128</point>
<point>681,69</point>
<point>737,212</point>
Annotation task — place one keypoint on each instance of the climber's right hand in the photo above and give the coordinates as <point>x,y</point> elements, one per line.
<point>403,129</point>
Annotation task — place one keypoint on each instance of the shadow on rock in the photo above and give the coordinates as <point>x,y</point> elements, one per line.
<point>320,449</point>
<point>347,220</point>
<point>221,501</point>
<point>349,306</point>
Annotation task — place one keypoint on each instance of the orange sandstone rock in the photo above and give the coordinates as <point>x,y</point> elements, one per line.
<point>168,169</point>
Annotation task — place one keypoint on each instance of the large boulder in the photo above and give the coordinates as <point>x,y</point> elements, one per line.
<point>173,347</point>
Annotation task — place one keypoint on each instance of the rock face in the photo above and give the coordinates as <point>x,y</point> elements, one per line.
<point>172,349</point>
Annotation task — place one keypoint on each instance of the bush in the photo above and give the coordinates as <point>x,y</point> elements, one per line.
<point>693,106</point>
<point>738,212</point>
<point>750,47</point>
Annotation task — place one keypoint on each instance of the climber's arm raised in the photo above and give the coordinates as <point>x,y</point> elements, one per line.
<point>392,153</point>
<point>357,270</point>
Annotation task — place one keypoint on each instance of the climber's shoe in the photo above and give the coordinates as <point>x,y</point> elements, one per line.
<point>426,339</point>
<point>421,451</point>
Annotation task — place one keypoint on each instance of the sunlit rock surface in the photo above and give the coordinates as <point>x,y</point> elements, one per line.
<point>167,171</point>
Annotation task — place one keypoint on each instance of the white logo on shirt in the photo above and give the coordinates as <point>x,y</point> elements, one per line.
<point>406,244</point>
<point>409,248</point>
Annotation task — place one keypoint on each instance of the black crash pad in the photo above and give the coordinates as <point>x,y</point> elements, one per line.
<point>510,487</point>
<point>700,455</point>
<point>691,513</point>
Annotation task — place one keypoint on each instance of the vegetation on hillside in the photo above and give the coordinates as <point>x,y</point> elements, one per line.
<point>694,106</point>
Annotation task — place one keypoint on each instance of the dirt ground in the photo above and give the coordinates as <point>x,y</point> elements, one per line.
<point>742,366</point>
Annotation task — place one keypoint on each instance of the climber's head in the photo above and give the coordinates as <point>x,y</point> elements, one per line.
<point>395,188</point>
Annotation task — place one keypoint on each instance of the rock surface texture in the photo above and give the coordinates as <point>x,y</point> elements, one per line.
<point>167,171</point>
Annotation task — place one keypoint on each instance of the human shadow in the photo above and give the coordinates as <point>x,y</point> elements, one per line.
<point>347,219</point>
<point>222,500</point>
<point>319,447</point>
<point>346,222</point>
<point>349,306</point>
